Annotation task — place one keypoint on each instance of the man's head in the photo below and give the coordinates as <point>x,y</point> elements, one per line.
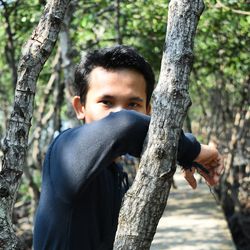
<point>120,69</point>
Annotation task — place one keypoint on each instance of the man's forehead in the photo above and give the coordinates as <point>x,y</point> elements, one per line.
<point>100,74</point>
<point>101,70</point>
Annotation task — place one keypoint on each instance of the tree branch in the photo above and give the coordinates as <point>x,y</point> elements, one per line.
<point>34,54</point>
<point>10,48</point>
<point>219,4</point>
<point>145,201</point>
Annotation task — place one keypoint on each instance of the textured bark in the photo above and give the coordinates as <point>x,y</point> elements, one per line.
<point>10,47</point>
<point>34,54</point>
<point>145,201</point>
<point>68,67</point>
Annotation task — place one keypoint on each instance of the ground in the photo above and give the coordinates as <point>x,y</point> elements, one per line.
<point>192,221</point>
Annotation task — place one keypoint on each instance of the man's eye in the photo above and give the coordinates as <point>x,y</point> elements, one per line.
<point>133,105</point>
<point>106,103</point>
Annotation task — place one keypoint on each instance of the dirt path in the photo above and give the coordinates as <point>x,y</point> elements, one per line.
<point>192,221</point>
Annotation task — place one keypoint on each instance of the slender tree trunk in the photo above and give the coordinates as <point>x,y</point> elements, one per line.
<point>10,47</point>
<point>42,114</point>
<point>68,68</point>
<point>117,22</point>
<point>146,199</point>
<point>35,53</point>
<point>241,120</point>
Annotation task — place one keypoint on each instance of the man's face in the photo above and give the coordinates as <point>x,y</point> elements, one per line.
<point>111,91</point>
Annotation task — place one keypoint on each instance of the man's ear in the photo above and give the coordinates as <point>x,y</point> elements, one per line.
<point>78,107</point>
<point>148,109</point>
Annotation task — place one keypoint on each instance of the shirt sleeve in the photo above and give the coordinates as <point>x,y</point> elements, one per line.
<point>188,149</point>
<point>79,154</point>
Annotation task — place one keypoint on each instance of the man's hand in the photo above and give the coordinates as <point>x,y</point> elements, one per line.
<point>210,159</point>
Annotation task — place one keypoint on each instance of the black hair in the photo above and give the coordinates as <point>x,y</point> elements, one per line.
<point>116,57</point>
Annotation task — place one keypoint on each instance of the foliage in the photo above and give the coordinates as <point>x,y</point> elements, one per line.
<point>222,62</point>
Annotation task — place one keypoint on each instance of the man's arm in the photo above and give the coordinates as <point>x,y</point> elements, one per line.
<point>79,154</point>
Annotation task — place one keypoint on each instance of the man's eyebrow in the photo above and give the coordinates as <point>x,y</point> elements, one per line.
<point>107,97</point>
<point>136,99</point>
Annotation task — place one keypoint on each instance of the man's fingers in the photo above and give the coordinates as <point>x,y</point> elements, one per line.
<point>217,171</point>
<point>212,144</point>
<point>214,174</point>
<point>192,182</point>
<point>189,176</point>
<point>210,159</point>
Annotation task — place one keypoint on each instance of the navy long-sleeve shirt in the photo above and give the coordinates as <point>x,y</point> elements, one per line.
<point>81,190</point>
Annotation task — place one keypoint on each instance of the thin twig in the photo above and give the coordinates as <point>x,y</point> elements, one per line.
<point>219,4</point>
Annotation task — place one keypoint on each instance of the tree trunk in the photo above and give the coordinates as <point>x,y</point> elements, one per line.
<point>35,53</point>
<point>117,22</point>
<point>145,201</point>
<point>68,68</point>
<point>10,47</point>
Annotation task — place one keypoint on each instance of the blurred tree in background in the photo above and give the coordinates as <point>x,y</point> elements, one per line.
<point>220,85</point>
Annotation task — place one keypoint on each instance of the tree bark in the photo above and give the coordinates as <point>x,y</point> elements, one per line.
<point>10,48</point>
<point>68,68</point>
<point>34,54</point>
<point>145,201</point>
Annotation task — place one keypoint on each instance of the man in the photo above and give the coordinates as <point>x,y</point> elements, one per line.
<point>82,185</point>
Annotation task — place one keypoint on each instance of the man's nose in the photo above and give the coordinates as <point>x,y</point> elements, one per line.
<point>117,109</point>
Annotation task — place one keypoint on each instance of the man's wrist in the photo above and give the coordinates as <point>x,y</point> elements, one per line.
<point>189,150</point>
